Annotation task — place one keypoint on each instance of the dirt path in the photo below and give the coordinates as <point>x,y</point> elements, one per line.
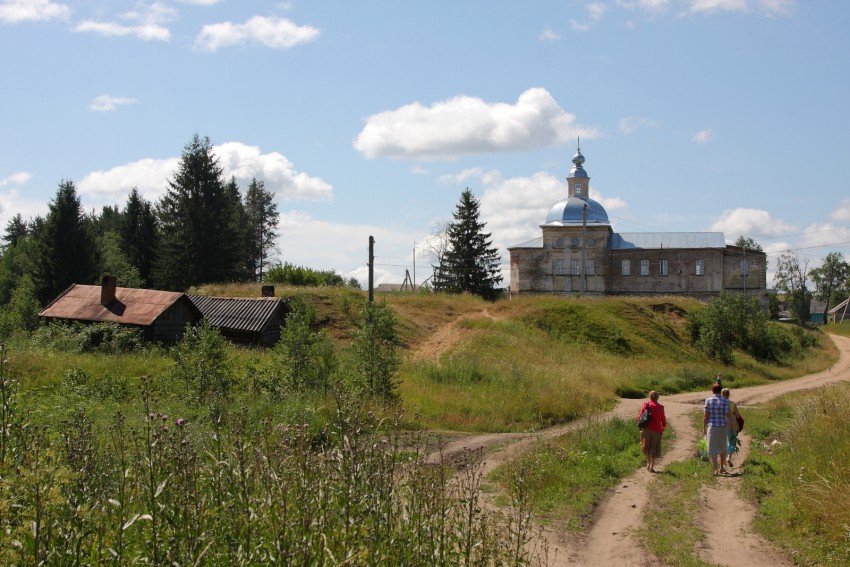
<point>610,541</point>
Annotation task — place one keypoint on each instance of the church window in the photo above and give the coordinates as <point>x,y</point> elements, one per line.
<point>576,267</point>
<point>700,268</point>
<point>627,267</point>
<point>644,267</point>
<point>559,267</point>
<point>591,267</point>
<point>662,268</point>
<point>745,268</point>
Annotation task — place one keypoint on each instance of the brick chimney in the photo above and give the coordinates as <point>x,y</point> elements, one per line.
<point>268,291</point>
<point>107,290</point>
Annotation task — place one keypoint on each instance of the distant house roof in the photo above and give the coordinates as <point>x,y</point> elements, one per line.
<point>130,306</point>
<point>249,314</point>
<point>389,287</point>
<point>817,306</point>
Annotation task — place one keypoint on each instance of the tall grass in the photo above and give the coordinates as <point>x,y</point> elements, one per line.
<point>152,489</point>
<point>564,478</point>
<point>799,470</point>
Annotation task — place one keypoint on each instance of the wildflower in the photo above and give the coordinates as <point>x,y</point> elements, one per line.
<point>181,422</point>
<point>164,418</point>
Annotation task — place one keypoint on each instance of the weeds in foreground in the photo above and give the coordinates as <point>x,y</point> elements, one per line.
<point>149,491</point>
<point>799,471</point>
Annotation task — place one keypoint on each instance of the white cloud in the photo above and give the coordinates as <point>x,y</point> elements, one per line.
<point>15,11</point>
<point>825,235</point>
<point>242,161</point>
<point>460,177</point>
<point>710,6</point>
<point>274,169</point>
<point>842,213</point>
<point>751,223</point>
<point>307,241</point>
<point>11,204</point>
<point>580,26</point>
<point>147,24</point>
<point>646,5</point>
<point>202,2</point>
<point>109,103</point>
<point>278,33</point>
<point>17,178</point>
<point>631,124</point>
<point>703,136</point>
<point>595,11</point>
<point>149,175</point>
<point>468,125</point>
<point>778,7</point>
<point>548,35</point>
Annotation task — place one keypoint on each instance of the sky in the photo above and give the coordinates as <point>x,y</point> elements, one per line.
<point>370,118</point>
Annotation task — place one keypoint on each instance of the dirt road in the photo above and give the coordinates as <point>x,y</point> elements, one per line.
<point>610,540</point>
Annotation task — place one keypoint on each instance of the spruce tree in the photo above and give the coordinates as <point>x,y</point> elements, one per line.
<point>138,230</point>
<point>238,226</point>
<point>262,219</point>
<point>195,218</point>
<point>67,245</point>
<point>470,263</point>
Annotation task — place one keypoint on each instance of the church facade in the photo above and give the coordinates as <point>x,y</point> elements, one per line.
<point>578,253</point>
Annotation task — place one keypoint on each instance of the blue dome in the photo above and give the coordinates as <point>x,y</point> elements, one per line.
<point>570,212</point>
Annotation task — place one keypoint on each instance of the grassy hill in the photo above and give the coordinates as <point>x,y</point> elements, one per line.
<point>532,362</point>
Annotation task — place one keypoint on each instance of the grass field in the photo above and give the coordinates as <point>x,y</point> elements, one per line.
<point>95,428</point>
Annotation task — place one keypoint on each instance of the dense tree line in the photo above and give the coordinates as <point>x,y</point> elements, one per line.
<point>202,230</point>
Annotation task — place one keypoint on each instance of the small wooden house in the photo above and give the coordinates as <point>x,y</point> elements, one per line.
<point>163,315</point>
<point>244,320</point>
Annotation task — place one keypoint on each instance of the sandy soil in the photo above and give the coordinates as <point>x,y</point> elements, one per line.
<point>610,540</point>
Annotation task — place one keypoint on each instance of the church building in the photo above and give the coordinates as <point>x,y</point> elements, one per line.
<point>579,253</point>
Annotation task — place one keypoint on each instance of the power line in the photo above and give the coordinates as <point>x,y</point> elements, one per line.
<point>808,247</point>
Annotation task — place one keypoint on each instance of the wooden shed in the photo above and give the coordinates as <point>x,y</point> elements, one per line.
<point>840,312</point>
<point>244,320</point>
<point>163,315</point>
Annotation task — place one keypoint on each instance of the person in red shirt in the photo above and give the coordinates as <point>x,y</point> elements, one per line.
<point>650,436</point>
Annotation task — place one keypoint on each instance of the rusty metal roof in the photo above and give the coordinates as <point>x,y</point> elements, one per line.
<point>250,314</point>
<point>131,306</point>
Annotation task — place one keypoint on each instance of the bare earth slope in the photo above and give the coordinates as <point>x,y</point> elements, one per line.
<point>610,541</point>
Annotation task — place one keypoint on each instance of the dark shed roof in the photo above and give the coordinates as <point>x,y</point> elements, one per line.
<point>249,314</point>
<point>131,306</point>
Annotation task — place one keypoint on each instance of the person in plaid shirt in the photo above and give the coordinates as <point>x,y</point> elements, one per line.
<point>714,427</point>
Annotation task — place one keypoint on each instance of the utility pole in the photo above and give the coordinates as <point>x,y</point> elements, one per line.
<point>371,269</point>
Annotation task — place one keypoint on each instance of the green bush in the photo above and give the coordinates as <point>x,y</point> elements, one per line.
<point>374,353</point>
<point>201,362</point>
<point>291,274</point>
<point>733,321</point>
<point>105,338</point>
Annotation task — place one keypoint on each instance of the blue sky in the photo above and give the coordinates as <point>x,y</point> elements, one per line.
<point>370,118</point>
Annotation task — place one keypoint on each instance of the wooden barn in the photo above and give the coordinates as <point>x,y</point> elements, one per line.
<point>163,315</point>
<point>244,320</point>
